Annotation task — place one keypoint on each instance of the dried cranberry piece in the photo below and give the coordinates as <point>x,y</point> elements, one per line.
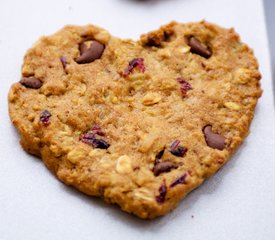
<point>184,86</point>
<point>162,193</point>
<point>177,150</point>
<point>96,129</point>
<point>45,117</point>
<point>135,63</point>
<point>180,180</point>
<point>90,138</point>
<point>63,60</point>
<point>175,144</point>
<point>87,138</point>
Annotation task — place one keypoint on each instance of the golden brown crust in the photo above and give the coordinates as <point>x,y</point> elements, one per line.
<point>141,111</point>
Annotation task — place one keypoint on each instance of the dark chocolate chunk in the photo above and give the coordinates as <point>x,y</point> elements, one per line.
<point>31,82</point>
<point>100,143</point>
<point>90,54</point>
<point>83,48</point>
<point>198,48</point>
<point>212,139</point>
<point>165,166</point>
<point>160,154</point>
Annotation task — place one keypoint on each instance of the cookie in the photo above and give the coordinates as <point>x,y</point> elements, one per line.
<point>138,123</point>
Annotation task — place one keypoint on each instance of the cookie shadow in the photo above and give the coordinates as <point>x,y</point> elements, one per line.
<point>147,2</point>
<point>269,8</point>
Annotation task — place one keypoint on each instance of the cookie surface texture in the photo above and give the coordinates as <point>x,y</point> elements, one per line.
<point>138,123</point>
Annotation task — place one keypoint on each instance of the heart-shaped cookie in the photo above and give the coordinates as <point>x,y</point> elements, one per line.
<point>139,124</point>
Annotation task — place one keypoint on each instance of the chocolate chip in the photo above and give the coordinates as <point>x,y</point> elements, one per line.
<point>100,143</point>
<point>83,48</point>
<point>162,193</point>
<point>45,117</point>
<point>160,154</point>
<point>212,139</point>
<point>180,180</point>
<point>31,82</point>
<point>165,166</point>
<point>90,54</point>
<point>198,48</point>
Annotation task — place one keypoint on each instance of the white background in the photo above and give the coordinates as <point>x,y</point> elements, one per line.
<point>237,203</point>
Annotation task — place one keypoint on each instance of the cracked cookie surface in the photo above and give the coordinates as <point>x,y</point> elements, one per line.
<point>138,123</point>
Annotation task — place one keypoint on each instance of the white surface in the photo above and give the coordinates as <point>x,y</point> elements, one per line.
<point>269,7</point>
<point>237,203</point>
